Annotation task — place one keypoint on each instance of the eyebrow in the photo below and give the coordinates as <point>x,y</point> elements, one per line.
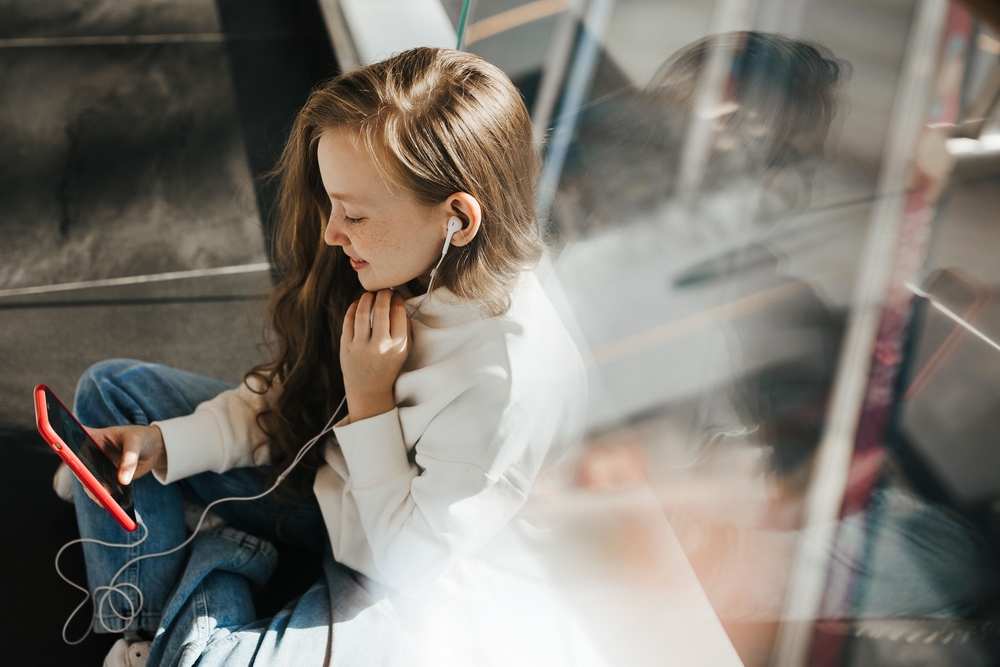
<point>347,199</point>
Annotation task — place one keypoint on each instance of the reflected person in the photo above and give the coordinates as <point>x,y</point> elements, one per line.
<point>770,124</point>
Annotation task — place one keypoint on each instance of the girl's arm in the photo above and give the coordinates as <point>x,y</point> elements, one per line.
<point>472,470</point>
<point>473,463</point>
<point>222,433</point>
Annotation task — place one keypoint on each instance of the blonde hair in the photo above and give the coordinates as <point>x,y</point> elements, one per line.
<point>435,122</point>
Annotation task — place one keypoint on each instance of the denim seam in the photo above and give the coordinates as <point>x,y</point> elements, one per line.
<point>248,548</point>
<point>201,603</point>
<point>222,642</point>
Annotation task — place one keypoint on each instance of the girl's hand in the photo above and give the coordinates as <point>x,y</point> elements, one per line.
<point>373,347</point>
<point>134,449</point>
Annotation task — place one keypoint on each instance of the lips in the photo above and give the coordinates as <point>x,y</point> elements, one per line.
<point>357,264</point>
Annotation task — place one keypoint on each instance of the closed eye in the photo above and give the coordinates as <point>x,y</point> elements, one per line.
<point>351,220</point>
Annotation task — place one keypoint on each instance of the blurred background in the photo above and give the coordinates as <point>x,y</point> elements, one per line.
<point>775,233</point>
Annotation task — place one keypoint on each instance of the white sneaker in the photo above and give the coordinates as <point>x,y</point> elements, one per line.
<point>125,654</point>
<point>62,483</point>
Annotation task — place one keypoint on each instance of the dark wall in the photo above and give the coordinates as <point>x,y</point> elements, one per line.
<point>278,51</point>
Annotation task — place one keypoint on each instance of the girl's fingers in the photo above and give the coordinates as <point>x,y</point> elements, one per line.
<point>97,435</point>
<point>90,494</point>
<point>348,333</point>
<point>131,450</point>
<point>398,321</point>
<point>362,319</point>
<point>380,321</point>
<point>102,436</point>
<point>108,440</point>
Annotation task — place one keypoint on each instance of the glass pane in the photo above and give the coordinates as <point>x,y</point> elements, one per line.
<point>712,174</point>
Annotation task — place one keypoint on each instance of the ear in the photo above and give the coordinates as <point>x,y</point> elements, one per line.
<point>467,209</point>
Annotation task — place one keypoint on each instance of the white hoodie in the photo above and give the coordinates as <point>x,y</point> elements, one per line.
<point>481,404</point>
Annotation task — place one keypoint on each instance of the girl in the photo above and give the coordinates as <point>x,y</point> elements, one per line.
<point>459,379</point>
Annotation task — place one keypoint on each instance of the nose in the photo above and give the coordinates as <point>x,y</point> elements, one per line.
<point>334,234</point>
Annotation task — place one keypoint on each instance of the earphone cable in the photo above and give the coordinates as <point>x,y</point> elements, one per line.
<point>135,608</point>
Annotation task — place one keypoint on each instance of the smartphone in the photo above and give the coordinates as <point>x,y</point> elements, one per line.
<point>91,466</point>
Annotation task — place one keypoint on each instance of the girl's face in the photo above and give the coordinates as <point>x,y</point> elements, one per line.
<point>390,237</point>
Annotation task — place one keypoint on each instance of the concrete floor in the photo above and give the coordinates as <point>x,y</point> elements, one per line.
<point>209,325</point>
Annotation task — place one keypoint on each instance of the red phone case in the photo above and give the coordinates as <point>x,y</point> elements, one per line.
<point>74,463</point>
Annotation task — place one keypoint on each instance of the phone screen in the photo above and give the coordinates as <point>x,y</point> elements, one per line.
<point>74,437</point>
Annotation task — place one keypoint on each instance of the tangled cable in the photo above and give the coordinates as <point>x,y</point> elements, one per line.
<point>102,594</point>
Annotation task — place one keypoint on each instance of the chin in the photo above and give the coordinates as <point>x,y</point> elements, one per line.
<point>372,285</point>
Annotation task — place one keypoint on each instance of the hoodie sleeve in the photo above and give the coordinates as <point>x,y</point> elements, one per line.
<point>221,434</point>
<point>469,473</point>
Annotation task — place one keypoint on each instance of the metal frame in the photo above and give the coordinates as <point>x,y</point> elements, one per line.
<point>894,251</point>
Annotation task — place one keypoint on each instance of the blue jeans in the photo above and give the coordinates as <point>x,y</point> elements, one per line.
<point>197,603</point>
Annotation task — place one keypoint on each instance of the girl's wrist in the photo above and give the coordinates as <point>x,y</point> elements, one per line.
<point>161,449</point>
<point>364,406</point>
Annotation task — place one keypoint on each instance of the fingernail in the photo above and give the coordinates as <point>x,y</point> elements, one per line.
<point>126,477</point>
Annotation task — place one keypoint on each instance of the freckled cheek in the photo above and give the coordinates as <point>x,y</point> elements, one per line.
<point>356,239</point>
<point>383,244</point>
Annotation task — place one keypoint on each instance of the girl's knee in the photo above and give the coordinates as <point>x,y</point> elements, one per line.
<point>94,381</point>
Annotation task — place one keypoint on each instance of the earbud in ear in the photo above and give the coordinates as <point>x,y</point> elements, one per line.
<point>454,225</point>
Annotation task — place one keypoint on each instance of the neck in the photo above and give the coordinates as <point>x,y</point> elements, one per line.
<point>418,286</point>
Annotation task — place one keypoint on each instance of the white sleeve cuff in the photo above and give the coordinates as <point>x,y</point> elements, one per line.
<point>373,448</point>
<point>193,444</point>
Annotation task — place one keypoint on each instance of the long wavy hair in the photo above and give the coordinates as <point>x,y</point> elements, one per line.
<point>434,122</point>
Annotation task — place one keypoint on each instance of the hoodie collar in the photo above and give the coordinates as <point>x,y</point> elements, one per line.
<point>440,308</point>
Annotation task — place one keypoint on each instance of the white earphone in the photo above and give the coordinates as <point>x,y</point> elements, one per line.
<point>454,225</point>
